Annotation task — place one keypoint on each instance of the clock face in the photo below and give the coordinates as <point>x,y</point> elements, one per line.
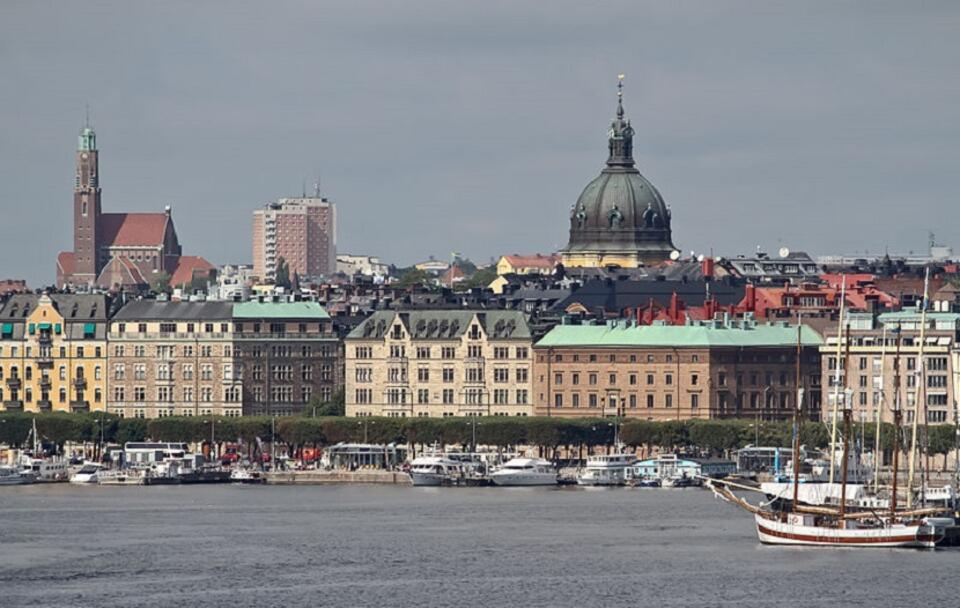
<point>84,155</point>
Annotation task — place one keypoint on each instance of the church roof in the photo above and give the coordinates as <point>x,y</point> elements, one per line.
<point>66,262</point>
<point>120,272</point>
<point>133,229</point>
<point>188,267</point>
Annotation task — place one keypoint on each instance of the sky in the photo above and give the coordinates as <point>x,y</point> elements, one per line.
<point>472,127</point>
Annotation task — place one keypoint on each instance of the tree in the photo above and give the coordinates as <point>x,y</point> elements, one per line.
<point>160,284</point>
<point>479,279</point>
<point>413,277</point>
<point>283,274</point>
<point>334,406</point>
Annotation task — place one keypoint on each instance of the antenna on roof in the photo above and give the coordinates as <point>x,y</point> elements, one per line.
<point>316,186</point>
<point>303,184</point>
<point>86,121</point>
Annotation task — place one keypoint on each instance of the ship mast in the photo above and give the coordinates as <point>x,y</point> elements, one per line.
<point>836,379</point>
<point>796,419</point>
<point>897,415</point>
<point>843,465</point>
<point>879,410</point>
<point>916,398</point>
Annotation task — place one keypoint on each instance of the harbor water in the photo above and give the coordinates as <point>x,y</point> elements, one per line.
<point>346,545</point>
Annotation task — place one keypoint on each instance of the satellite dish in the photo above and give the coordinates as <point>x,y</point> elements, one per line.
<point>674,255</point>
<point>784,252</point>
<point>700,258</point>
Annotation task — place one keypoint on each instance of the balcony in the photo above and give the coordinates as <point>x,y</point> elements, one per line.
<point>14,383</point>
<point>13,405</point>
<point>45,405</point>
<point>80,383</point>
<point>45,383</point>
<point>45,362</point>
<point>79,406</point>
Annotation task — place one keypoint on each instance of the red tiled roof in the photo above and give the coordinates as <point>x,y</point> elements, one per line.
<point>188,267</point>
<point>65,262</point>
<point>133,229</point>
<point>533,261</point>
<point>120,272</point>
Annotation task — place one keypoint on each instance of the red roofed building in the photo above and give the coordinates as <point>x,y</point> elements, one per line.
<point>190,267</point>
<point>527,264</point>
<point>116,250</point>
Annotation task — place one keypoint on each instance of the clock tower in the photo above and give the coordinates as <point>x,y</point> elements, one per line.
<point>86,210</point>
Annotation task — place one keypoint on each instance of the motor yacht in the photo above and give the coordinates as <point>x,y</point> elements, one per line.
<point>525,472</point>
<point>606,470</point>
<point>88,473</point>
<point>435,471</point>
<point>10,476</point>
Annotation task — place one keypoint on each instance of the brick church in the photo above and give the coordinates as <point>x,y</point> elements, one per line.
<point>120,251</point>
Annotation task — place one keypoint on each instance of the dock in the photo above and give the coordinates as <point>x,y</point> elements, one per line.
<point>336,477</point>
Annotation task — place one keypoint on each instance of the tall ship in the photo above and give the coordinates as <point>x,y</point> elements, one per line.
<point>792,522</point>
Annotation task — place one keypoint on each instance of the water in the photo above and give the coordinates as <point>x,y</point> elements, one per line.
<point>239,546</point>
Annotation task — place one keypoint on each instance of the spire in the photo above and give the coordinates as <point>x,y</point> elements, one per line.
<point>87,139</point>
<point>620,134</point>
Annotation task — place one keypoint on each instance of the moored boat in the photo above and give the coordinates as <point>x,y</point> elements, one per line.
<point>606,470</point>
<point>525,472</point>
<point>435,471</point>
<point>88,473</point>
<point>10,476</point>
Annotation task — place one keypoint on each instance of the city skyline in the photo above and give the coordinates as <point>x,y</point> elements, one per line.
<point>477,128</point>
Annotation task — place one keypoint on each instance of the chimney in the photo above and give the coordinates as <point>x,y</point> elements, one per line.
<point>706,268</point>
<point>750,298</point>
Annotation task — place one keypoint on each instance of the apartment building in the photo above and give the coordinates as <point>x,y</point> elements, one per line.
<point>173,358</point>
<point>880,366</point>
<point>302,231</point>
<point>716,369</point>
<point>439,363</point>
<point>53,353</point>
<point>289,355</point>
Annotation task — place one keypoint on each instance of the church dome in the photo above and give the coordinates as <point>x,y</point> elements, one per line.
<point>620,212</point>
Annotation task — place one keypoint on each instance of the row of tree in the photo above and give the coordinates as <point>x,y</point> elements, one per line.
<point>714,436</point>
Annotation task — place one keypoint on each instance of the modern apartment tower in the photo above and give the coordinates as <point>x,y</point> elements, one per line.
<point>302,231</point>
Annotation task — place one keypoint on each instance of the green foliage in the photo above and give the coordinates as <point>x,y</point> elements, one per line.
<point>130,429</point>
<point>413,277</point>
<point>479,279</point>
<point>335,406</point>
<point>160,283</point>
<point>282,274</point>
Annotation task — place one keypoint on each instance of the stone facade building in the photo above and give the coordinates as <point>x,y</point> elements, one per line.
<point>53,353</point>
<point>302,231</point>
<point>289,355</point>
<point>881,368</point>
<point>173,358</point>
<point>703,370</point>
<point>439,363</point>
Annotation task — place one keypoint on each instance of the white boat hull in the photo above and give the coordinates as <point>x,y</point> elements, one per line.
<point>427,479</point>
<point>775,532</point>
<point>524,479</point>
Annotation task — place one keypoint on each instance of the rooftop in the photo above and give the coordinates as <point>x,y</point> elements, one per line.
<point>698,334</point>
<point>279,310</point>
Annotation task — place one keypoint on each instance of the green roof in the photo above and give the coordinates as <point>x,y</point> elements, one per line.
<point>706,334</point>
<point>279,310</point>
<point>914,315</point>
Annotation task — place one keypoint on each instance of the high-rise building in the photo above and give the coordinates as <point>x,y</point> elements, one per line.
<point>302,231</point>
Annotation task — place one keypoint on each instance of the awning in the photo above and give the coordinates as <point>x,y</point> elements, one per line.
<point>89,328</point>
<point>8,328</point>
<point>56,328</point>
<point>32,328</point>
<point>44,326</point>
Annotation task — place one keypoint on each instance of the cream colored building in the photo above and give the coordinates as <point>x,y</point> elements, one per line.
<point>440,363</point>
<point>174,358</point>
<point>53,353</point>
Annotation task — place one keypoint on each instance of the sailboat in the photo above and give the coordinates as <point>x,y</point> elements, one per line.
<point>792,523</point>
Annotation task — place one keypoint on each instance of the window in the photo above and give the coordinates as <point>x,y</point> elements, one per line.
<point>523,352</point>
<point>423,352</point>
<point>501,375</point>
<point>592,400</point>
<point>649,379</point>
<point>523,374</point>
<point>574,378</point>
<point>633,379</point>
<point>306,372</point>
<point>558,379</point>
<point>522,396</point>
<point>694,401</point>
<point>575,400</point>
<point>448,352</point>
<point>633,401</point>
<point>448,395</point>
<point>448,374</point>
<point>558,400</point>
<point>423,374</point>
<point>363,352</point>
<point>668,379</point>
<point>501,352</point>
<point>501,396</point>
<point>118,393</point>
<point>668,402</point>
<point>592,379</point>
<point>423,396</point>
<point>613,379</point>
<point>139,393</point>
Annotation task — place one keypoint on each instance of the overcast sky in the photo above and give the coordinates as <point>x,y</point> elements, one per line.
<point>447,126</point>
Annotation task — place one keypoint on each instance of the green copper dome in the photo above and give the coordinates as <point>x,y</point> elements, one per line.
<point>88,139</point>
